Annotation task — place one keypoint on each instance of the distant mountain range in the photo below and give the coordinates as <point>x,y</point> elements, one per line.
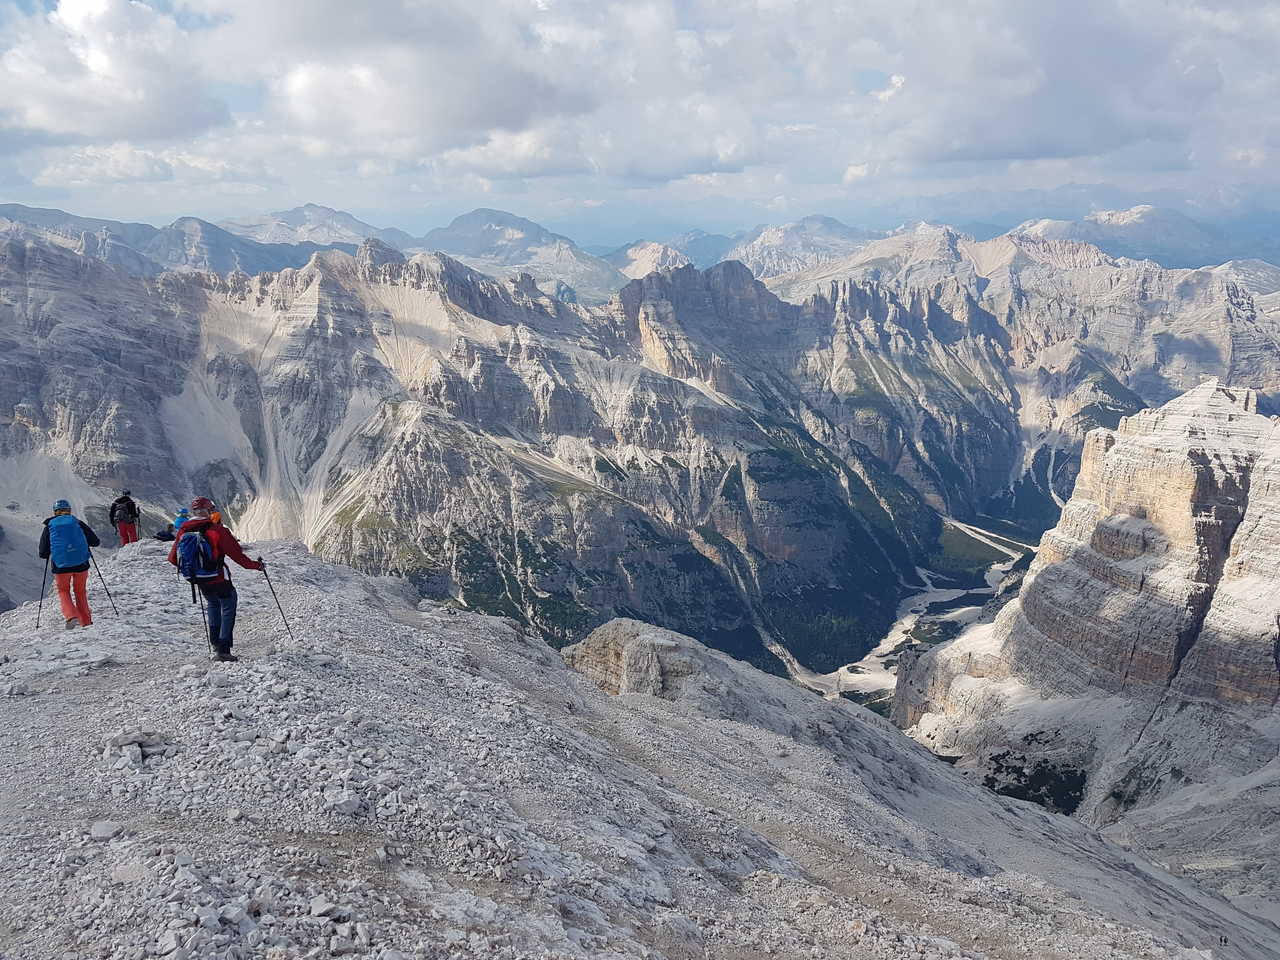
<point>1168,237</point>
<point>680,452</point>
<point>186,244</point>
<point>316,224</point>
<point>643,257</point>
<point>792,257</point>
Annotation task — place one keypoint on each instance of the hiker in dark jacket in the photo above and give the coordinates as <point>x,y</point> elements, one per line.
<point>167,534</point>
<point>124,517</point>
<point>213,580</point>
<point>65,543</point>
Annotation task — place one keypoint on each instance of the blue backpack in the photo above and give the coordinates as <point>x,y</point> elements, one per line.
<point>67,544</point>
<point>196,561</point>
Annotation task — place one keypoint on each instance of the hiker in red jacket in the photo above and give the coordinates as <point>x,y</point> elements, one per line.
<point>212,576</point>
<point>124,517</point>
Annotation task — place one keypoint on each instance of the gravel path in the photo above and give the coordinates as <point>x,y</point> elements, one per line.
<point>409,781</point>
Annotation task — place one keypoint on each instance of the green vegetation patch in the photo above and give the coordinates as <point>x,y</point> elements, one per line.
<point>608,468</point>
<point>877,701</point>
<point>962,557</point>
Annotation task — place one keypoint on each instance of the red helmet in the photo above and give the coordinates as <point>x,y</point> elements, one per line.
<point>201,503</point>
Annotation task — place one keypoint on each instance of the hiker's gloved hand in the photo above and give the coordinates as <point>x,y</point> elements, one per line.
<point>262,564</point>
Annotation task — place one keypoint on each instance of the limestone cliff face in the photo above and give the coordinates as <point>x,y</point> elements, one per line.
<point>1137,672</point>
<point>1058,335</point>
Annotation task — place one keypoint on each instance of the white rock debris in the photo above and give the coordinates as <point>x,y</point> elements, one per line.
<point>407,781</point>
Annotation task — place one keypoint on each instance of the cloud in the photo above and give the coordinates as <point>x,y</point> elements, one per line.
<point>102,69</point>
<point>895,84</point>
<point>638,101</point>
<point>117,163</point>
<point>854,172</point>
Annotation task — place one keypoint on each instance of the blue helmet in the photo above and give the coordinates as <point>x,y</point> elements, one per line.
<point>61,505</point>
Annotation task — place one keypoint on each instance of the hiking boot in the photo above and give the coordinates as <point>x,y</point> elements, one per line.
<point>227,657</point>
<point>72,623</point>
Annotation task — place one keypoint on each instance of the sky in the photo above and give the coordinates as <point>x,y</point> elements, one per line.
<point>624,119</point>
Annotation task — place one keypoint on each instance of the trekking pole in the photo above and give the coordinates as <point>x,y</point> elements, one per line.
<point>205,620</point>
<point>104,584</point>
<point>43,578</point>
<point>277,600</point>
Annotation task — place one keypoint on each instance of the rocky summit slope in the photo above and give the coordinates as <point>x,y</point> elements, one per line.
<point>1135,680</point>
<point>408,781</point>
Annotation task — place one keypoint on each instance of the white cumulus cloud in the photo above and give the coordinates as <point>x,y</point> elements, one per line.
<point>640,102</point>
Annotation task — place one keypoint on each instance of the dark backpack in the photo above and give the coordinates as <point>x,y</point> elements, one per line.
<point>124,510</point>
<point>197,562</point>
<point>67,544</point>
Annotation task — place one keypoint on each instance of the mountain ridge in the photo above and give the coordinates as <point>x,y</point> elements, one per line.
<point>187,243</point>
<point>695,416</point>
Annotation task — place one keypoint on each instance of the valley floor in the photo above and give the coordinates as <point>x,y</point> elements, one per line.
<point>928,616</point>
<point>407,780</point>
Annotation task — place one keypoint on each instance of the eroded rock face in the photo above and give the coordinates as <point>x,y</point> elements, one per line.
<point>1138,665</point>
<point>521,455</point>
<point>1058,336</point>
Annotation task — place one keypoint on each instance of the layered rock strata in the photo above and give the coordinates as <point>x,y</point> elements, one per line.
<point>1135,680</point>
<point>1081,339</point>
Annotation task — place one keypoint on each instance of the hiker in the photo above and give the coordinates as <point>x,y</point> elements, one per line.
<point>65,543</point>
<point>200,553</point>
<point>124,517</point>
<point>167,534</point>
<point>181,518</point>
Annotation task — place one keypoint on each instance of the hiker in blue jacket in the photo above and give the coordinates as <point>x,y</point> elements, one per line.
<point>65,543</point>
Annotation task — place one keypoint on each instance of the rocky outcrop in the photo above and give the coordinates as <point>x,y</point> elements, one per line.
<point>1137,671</point>
<point>628,656</point>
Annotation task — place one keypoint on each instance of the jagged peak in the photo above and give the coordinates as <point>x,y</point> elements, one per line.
<point>374,253</point>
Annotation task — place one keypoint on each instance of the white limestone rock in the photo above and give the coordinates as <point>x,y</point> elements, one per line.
<point>1135,677</point>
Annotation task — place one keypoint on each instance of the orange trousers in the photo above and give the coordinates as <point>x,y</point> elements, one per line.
<point>79,608</point>
<point>128,533</point>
